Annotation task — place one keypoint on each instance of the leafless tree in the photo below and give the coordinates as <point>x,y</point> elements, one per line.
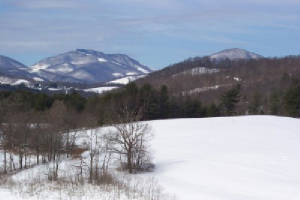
<point>2,137</point>
<point>54,142</point>
<point>130,139</point>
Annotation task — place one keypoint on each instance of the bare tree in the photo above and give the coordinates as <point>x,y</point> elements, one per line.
<point>130,139</point>
<point>2,137</point>
<point>55,137</point>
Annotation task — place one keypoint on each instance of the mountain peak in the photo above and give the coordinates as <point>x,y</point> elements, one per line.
<point>88,66</point>
<point>87,51</point>
<point>234,54</point>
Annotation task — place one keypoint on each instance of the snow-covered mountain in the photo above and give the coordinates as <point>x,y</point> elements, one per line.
<point>87,66</point>
<point>234,54</point>
<point>12,68</point>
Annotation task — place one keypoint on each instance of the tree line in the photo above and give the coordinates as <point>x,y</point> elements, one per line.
<point>35,125</point>
<point>36,128</point>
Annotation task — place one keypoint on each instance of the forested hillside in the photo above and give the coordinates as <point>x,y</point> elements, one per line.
<point>264,83</point>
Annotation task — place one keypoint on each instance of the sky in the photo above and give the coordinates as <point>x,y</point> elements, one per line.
<point>157,33</point>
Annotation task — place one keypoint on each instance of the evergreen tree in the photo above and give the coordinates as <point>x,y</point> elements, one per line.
<point>213,110</point>
<point>255,106</point>
<point>291,100</point>
<point>163,102</point>
<point>274,104</point>
<point>229,100</point>
<point>149,102</point>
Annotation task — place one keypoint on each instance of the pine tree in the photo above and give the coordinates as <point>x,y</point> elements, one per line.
<point>229,100</point>
<point>291,101</point>
<point>163,102</point>
<point>255,106</point>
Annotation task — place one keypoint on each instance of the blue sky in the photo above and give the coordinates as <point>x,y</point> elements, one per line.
<point>156,33</point>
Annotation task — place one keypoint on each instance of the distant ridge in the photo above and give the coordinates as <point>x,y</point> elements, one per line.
<point>234,54</point>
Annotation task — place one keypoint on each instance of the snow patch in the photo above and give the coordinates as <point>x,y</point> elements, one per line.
<point>64,68</point>
<point>100,90</point>
<point>236,79</point>
<point>102,60</point>
<point>54,89</point>
<point>198,90</point>
<point>21,81</point>
<point>198,71</point>
<point>131,73</point>
<point>141,69</point>
<point>126,80</point>
<point>117,74</point>
<point>38,67</point>
<point>38,79</point>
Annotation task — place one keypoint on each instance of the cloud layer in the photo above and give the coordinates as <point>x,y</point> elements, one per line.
<point>156,32</point>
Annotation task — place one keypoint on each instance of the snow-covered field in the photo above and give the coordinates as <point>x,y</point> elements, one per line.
<point>226,158</point>
<point>251,157</point>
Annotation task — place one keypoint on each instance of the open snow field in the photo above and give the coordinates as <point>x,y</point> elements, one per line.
<point>225,158</point>
<point>251,157</point>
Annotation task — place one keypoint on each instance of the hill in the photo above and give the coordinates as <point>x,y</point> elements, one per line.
<point>252,157</point>
<point>207,80</point>
<point>234,54</point>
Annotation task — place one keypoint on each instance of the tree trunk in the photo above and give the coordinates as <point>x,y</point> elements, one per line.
<point>129,161</point>
<point>37,156</point>
<point>5,171</point>
<point>91,167</point>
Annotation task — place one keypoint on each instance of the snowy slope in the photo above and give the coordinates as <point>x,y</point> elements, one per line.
<point>225,158</point>
<point>253,157</point>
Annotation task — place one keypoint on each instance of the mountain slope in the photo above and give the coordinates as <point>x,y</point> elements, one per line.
<point>234,54</point>
<point>13,73</point>
<point>87,66</point>
<point>12,68</point>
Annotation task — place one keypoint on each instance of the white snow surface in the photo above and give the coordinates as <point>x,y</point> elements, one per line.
<point>236,79</point>
<point>54,89</point>
<point>199,90</point>
<point>13,81</point>
<point>102,60</point>
<point>199,71</point>
<point>38,67</point>
<point>117,74</point>
<point>100,90</point>
<point>38,79</point>
<point>21,81</point>
<point>141,69</point>
<point>251,157</point>
<point>126,80</point>
<point>224,158</point>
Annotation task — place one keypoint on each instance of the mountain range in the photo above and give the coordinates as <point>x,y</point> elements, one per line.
<point>90,66</point>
